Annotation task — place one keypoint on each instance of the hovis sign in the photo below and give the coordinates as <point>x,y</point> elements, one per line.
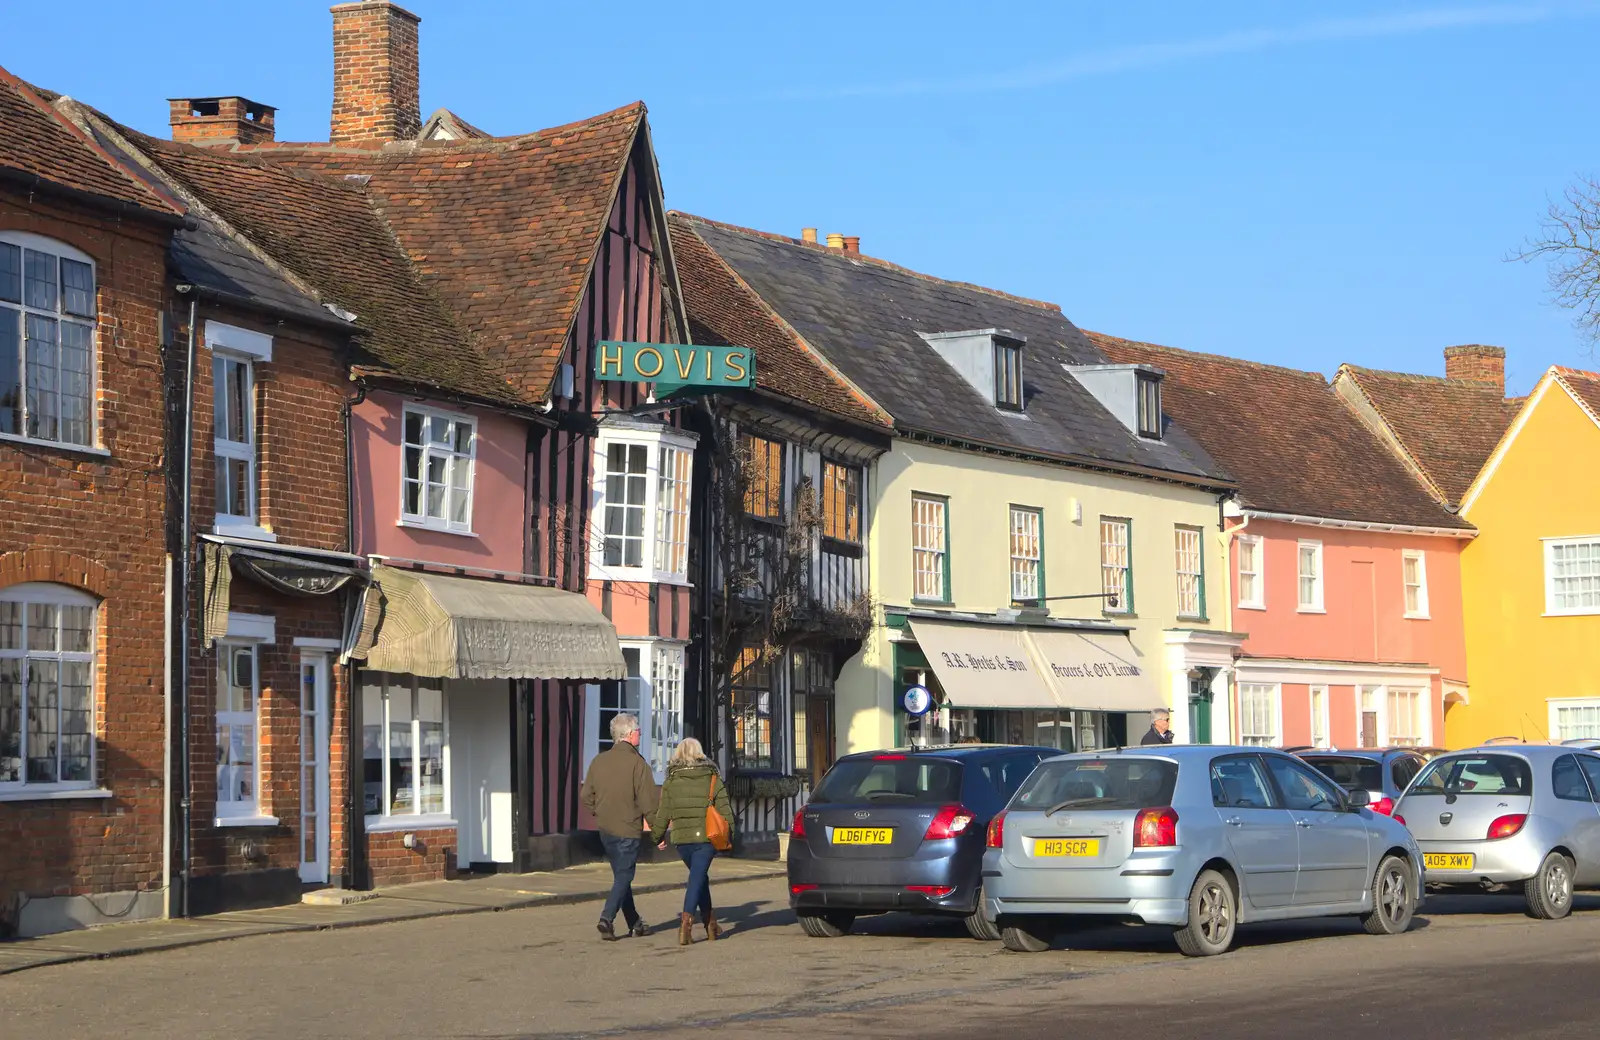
<point>674,364</point>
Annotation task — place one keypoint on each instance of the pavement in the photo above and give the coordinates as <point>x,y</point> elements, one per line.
<point>584,883</point>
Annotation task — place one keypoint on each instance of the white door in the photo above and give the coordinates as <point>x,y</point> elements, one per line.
<point>314,768</point>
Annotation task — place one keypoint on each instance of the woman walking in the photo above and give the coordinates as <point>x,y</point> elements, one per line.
<point>692,787</point>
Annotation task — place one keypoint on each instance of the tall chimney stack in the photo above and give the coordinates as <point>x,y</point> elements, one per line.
<point>1476,363</point>
<point>376,70</point>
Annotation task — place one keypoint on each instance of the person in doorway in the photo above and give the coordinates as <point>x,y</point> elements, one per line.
<point>1160,728</point>
<point>692,786</point>
<point>620,792</point>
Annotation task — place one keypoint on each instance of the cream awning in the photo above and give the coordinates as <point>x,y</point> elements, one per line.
<point>468,628</point>
<point>983,666</point>
<point>1097,671</point>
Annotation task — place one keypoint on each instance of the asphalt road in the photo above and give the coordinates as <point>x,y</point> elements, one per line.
<point>1472,967</point>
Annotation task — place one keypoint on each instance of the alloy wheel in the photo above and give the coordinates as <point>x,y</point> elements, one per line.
<point>1393,896</point>
<point>1558,884</point>
<point>1216,916</point>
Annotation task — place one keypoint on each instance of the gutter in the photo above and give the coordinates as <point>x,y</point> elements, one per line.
<point>35,183</point>
<point>1198,481</point>
<point>1362,525</point>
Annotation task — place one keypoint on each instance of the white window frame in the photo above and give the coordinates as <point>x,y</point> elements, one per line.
<point>1248,733</point>
<point>1554,706</point>
<point>247,348</point>
<point>1320,719</point>
<point>242,811</point>
<point>657,540</point>
<point>383,819</point>
<point>1257,601</point>
<point>1123,588</point>
<point>937,556</point>
<point>26,594</point>
<point>1424,714</point>
<point>1421,585</point>
<point>1550,547</point>
<point>428,413</point>
<point>1317,604</point>
<point>30,242</point>
<point>1183,577</point>
<point>658,694</point>
<point>1022,518</point>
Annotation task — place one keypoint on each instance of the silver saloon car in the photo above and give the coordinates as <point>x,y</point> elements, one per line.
<point>1517,818</point>
<point>1199,838</point>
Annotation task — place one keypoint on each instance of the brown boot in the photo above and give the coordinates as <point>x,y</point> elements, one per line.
<point>685,929</point>
<point>710,921</point>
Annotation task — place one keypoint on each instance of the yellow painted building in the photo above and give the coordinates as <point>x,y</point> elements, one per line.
<point>1531,578</point>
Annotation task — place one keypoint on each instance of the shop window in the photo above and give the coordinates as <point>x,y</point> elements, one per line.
<point>841,502</point>
<point>666,706</point>
<point>47,327</point>
<point>1116,564</point>
<point>752,711</point>
<point>930,548</point>
<point>439,451</point>
<point>404,739</point>
<point>1027,555</point>
<point>621,697</point>
<point>47,646</point>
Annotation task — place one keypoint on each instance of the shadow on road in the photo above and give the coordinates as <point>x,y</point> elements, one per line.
<point>749,917</point>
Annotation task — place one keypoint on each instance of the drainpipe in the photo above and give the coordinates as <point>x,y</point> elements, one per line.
<point>186,588</point>
<point>354,816</point>
<point>1227,536</point>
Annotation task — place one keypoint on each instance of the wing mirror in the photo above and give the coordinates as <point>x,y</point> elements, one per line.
<point>1358,799</point>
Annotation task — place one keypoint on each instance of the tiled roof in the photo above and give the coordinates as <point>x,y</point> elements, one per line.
<point>36,139</point>
<point>1585,386</point>
<point>1285,437</point>
<point>503,230</point>
<point>864,316</point>
<point>723,310</point>
<point>1449,428</point>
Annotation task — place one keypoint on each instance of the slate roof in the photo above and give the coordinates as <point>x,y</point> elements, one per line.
<point>36,139</point>
<point>723,310</point>
<point>1285,436</point>
<point>864,316</point>
<point>503,230</point>
<point>1449,428</point>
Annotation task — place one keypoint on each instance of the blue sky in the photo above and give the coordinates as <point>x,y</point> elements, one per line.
<point>1299,183</point>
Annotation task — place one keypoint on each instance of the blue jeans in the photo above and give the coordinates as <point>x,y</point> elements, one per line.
<point>697,857</point>
<point>623,855</point>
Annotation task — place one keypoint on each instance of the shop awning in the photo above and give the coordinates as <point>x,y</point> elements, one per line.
<point>281,572</point>
<point>1095,671</point>
<point>983,666</point>
<point>468,628</point>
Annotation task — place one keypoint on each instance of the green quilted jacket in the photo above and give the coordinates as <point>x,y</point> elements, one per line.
<point>684,797</point>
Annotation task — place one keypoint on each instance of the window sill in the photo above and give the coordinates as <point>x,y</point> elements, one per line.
<point>418,525</point>
<point>1419,617</point>
<point>1311,610</point>
<point>1252,606</point>
<point>39,442</point>
<point>245,821</point>
<point>53,794</point>
<point>1120,615</point>
<point>932,602</point>
<point>1197,618</point>
<point>237,529</point>
<point>602,572</point>
<point>421,822</point>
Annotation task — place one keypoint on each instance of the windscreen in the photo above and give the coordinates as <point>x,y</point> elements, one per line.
<point>1362,774</point>
<point>907,780</point>
<point>1475,774</point>
<point>1099,783</point>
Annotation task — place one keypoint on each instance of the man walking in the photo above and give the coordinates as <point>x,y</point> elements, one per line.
<point>620,792</point>
<point>1160,728</point>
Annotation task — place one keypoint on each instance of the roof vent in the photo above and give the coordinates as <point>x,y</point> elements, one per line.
<point>221,120</point>
<point>1132,393</point>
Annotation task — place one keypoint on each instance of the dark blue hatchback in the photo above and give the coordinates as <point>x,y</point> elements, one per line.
<point>902,830</point>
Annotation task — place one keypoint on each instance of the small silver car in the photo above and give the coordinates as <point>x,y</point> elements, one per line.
<point>1509,817</point>
<point>1199,837</point>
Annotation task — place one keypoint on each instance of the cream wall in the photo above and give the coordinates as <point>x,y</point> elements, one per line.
<point>981,490</point>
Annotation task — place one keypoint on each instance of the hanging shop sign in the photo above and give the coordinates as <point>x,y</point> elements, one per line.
<point>672,365</point>
<point>918,700</point>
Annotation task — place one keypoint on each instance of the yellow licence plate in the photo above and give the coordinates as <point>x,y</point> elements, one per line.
<point>1448,860</point>
<point>862,835</point>
<point>1081,847</point>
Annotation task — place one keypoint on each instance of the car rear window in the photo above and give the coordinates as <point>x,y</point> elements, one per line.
<point>1347,771</point>
<point>1475,774</point>
<point>1099,783</point>
<point>905,779</point>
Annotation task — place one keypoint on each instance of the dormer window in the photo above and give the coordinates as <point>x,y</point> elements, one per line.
<point>1008,374</point>
<point>1149,405</point>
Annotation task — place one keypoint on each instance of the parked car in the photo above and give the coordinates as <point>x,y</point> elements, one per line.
<point>901,830</point>
<point>1199,838</point>
<point>1381,772</point>
<point>1587,743</point>
<point>1509,818</point>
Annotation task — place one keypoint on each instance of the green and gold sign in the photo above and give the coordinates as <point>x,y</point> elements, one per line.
<point>673,365</point>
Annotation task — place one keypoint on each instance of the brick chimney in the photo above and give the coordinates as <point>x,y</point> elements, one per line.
<point>221,120</point>
<point>1476,363</point>
<point>375,73</point>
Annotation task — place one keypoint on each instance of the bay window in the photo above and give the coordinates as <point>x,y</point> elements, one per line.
<point>404,742</point>
<point>643,475</point>
<point>47,646</point>
<point>47,326</point>
<point>437,487</point>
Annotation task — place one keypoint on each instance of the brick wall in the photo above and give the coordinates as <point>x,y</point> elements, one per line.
<point>389,862</point>
<point>95,522</point>
<point>375,73</point>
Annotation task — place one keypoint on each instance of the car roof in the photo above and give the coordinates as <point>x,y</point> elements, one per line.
<point>1530,751</point>
<point>1173,751</point>
<point>1374,754</point>
<point>950,751</point>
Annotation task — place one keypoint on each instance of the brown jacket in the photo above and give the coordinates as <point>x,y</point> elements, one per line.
<point>620,791</point>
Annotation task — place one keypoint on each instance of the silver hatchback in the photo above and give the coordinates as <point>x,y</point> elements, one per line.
<point>1200,838</point>
<point>1506,817</point>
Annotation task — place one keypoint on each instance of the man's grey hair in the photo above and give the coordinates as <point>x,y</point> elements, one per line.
<point>1159,713</point>
<point>623,726</point>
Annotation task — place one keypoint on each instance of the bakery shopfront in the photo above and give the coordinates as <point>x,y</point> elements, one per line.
<point>999,679</point>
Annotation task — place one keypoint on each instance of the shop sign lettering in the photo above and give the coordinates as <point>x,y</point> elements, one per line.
<point>674,364</point>
<point>985,662</point>
<point>1094,670</point>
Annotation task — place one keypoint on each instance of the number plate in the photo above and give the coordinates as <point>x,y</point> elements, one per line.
<point>1448,860</point>
<point>1075,847</point>
<point>863,835</point>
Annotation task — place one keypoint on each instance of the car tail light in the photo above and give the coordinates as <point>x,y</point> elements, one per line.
<point>938,891</point>
<point>996,837</point>
<point>1506,826</point>
<point>798,828</point>
<point>888,758</point>
<point>1384,806</point>
<point>951,822</point>
<point>795,890</point>
<point>1155,828</point>
<point>1401,820</point>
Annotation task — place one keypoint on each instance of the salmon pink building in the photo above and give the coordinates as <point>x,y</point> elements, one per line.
<point>1344,571</point>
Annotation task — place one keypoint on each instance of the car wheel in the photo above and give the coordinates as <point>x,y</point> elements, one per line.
<point>979,926</point>
<point>1394,898</point>
<point>1026,934</point>
<point>827,924</point>
<point>1213,914</point>
<point>1549,892</point>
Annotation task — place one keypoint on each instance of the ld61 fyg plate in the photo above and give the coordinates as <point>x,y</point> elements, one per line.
<point>1448,860</point>
<point>1072,847</point>
<point>863,835</point>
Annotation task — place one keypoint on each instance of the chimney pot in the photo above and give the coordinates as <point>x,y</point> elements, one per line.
<point>376,72</point>
<point>212,121</point>
<point>835,241</point>
<point>852,243</point>
<point>808,234</point>
<point>1476,363</point>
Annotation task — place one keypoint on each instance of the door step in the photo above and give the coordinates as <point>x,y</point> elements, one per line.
<point>335,897</point>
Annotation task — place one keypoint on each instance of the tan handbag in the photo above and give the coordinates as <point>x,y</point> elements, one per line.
<point>718,831</point>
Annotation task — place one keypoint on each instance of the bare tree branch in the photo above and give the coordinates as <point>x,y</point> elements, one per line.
<point>1569,244</point>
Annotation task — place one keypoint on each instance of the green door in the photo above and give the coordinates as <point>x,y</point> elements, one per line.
<point>1200,708</point>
